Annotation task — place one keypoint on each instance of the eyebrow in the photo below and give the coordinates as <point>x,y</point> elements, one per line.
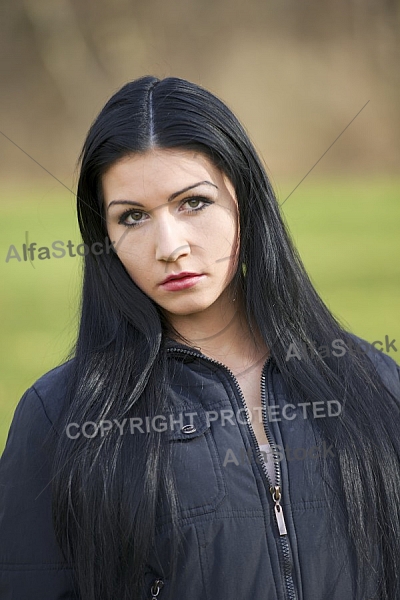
<point>171,197</point>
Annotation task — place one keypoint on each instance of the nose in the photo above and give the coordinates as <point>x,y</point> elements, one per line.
<point>171,243</point>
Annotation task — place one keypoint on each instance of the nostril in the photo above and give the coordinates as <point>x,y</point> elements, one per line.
<point>178,252</point>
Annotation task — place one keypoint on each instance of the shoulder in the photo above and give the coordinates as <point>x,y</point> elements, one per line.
<point>39,407</point>
<point>387,369</point>
<point>50,389</point>
<point>32,436</point>
<point>32,426</point>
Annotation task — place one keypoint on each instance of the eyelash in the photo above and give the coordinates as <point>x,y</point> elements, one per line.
<point>126,214</point>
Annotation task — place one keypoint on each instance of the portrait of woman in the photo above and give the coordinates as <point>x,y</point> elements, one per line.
<point>215,433</point>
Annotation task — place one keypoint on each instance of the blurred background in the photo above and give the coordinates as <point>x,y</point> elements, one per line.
<point>316,84</point>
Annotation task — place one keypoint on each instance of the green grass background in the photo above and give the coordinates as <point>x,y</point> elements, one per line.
<point>346,230</point>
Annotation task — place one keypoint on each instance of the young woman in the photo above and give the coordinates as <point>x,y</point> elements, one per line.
<point>215,433</point>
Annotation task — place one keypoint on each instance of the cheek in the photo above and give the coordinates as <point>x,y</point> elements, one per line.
<point>224,248</point>
<point>133,256</point>
<point>125,242</point>
<point>222,228</point>
<point>226,236</point>
<point>139,274</point>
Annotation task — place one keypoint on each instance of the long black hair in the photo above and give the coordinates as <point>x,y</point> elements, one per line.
<point>106,487</point>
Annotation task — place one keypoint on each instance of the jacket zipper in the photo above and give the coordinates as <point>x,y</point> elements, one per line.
<point>275,491</point>
<point>276,497</point>
<point>158,584</point>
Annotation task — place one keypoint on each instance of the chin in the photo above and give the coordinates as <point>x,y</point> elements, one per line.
<point>185,309</point>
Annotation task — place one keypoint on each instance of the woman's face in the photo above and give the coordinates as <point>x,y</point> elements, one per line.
<point>170,213</point>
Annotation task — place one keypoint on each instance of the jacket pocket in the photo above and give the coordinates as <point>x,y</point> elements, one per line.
<point>196,464</point>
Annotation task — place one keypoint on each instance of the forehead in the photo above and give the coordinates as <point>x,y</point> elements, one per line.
<point>160,172</point>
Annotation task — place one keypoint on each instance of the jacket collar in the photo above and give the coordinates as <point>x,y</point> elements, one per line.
<point>169,344</point>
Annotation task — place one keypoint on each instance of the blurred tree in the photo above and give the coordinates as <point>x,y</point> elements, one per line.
<point>61,59</point>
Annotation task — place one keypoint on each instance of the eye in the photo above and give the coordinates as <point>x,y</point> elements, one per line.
<point>196,203</point>
<point>130,218</point>
<point>193,202</point>
<point>135,217</point>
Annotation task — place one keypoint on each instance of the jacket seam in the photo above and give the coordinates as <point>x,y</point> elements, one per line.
<point>198,528</point>
<point>33,566</point>
<point>211,516</point>
<point>33,388</point>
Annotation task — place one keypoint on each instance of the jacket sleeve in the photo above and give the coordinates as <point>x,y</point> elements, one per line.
<point>32,566</point>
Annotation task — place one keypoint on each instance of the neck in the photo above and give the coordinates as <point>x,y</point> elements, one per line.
<point>222,332</point>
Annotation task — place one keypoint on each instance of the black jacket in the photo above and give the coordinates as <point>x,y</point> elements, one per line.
<point>237,548</point>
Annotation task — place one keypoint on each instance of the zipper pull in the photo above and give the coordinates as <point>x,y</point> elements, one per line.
<point>155,588</point>
<point>276,497</point>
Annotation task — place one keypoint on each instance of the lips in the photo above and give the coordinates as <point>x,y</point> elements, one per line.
<point>181,281</point>
<point>182,275</point>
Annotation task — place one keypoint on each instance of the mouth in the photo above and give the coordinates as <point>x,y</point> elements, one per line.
<point>181,275</point>
<point>180,281</point>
